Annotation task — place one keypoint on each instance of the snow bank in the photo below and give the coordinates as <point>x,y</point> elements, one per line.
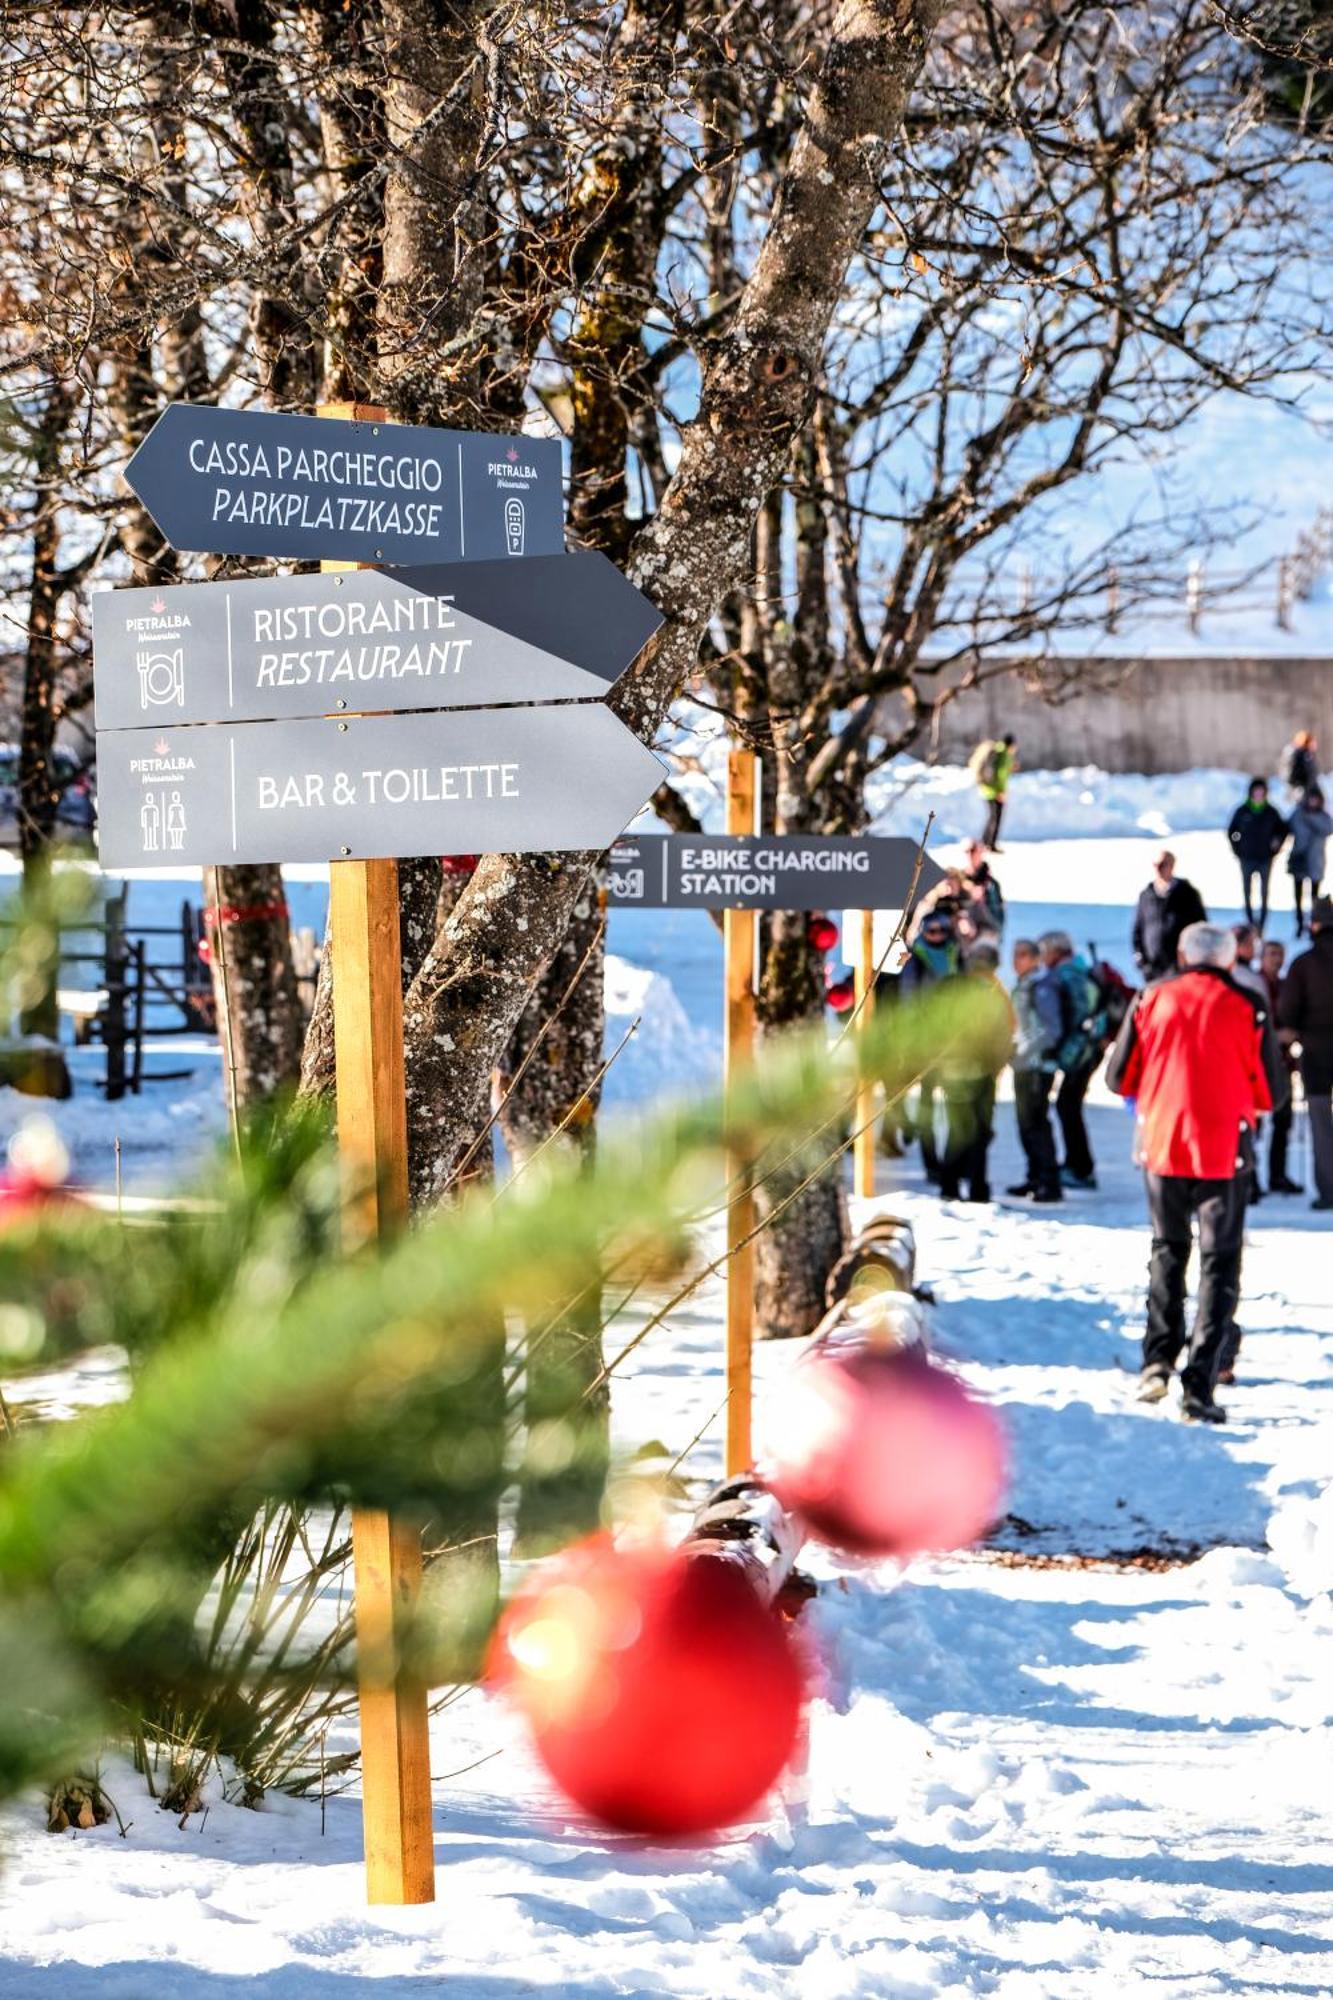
<point>667,1051</point>
<point>1081,803</point>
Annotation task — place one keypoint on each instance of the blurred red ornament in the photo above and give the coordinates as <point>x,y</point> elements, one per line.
<point>459,864</point>
<point>205,951</point>
<point>662,1695</point>
<point>883,1453</point>
<point>822,933</point>
<point>841,994</point>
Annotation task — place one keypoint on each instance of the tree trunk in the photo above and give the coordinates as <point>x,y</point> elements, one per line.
<point>806,1224</point>
<point>757,393</point>
<point>260,1022</point>
<point>38,792</point>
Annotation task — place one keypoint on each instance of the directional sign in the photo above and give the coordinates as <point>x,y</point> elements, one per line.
<point>779,872</point>
<point>457,635</point>
<point>532,780</point>
<point>258,483</point>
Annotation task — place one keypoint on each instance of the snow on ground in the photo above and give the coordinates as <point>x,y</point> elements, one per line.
<point>1025,1781</point>
<point>1040,1771</point>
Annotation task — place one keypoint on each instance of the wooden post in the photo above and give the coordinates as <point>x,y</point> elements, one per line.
<point>863,1145</point>
<point>386,1553</point>
<point>739,931</point>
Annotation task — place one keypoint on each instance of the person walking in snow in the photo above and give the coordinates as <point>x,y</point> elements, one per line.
<point>934,956</point>
<point>1198,1054</point>
<point>1082,1032</point>
<point>968,1077</point>
<point>1272,958</point>
<point>1300,762</point>
<point>984,899</point>
<point>1310,827</point>
<point>1167,907</point>
<point>1257,832</point>
<point>993,764</point>
<point>1305,1016</point>
<point>1037,1034</point>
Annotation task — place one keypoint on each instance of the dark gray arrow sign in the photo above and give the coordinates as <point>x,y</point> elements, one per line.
<point>677,871</point>
<point>259,483</point>
<point>532,780</point>
<point>459,635</point>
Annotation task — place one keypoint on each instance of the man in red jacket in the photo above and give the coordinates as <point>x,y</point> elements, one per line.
<point>1200,1055</point>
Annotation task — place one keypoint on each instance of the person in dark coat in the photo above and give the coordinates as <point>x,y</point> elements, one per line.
<point>1257,832</point>
<point>1167,907</point>
<point>1082,1041</point>
<point>1305,1016</point>
<point>1272,958</point>
<point>1199,1056</point>
<point>1037,1033</point>
<point>1311,826</point>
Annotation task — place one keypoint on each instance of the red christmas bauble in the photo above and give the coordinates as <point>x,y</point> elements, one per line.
<point>662,1695</point>
<point>841,994</point>
<point>24,1197</point>
<point>822,933</point>
<point>884,1453</point>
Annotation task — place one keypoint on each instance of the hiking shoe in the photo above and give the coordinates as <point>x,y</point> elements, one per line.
<point>1321,1207</point>
<point>1201,1409</point>
<point>1048,1194</point>
<point>1153,1385</point>
<point>1285,1186</point>
<point>1023,1188</point>
<point>1069,1179</point>
<point>1226,1376</point>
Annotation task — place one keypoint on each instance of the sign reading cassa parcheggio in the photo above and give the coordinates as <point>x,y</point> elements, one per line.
<point>261,483</point>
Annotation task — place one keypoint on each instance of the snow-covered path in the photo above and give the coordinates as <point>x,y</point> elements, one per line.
<point>1028,1777</point>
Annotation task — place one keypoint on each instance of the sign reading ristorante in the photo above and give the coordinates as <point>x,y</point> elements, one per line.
<point>260,483</point>
<point>449,636</point>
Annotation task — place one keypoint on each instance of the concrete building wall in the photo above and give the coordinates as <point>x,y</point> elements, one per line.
<point>1147,715</point>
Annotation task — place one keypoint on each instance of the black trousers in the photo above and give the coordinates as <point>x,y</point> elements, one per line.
<point>1298,883</point>
<point>994,814</point>
<point>1032,1103</point>
<point>970,1104</point>
<point>1279,1140</point>
<point>1254,876</point>
<point>1069,1110</point>
<point>1176,1202</point>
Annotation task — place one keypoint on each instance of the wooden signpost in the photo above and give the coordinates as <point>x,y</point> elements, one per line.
<point>398,1826</point>
<point>740,931</point>
<point>353,721</point>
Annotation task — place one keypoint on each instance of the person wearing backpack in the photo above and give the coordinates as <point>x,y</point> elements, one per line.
<point>1257,831</point>
<point>1036,1036</point>
<point>1079,1051</point>
<point>992,764</point>
<point>1310,827</point>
